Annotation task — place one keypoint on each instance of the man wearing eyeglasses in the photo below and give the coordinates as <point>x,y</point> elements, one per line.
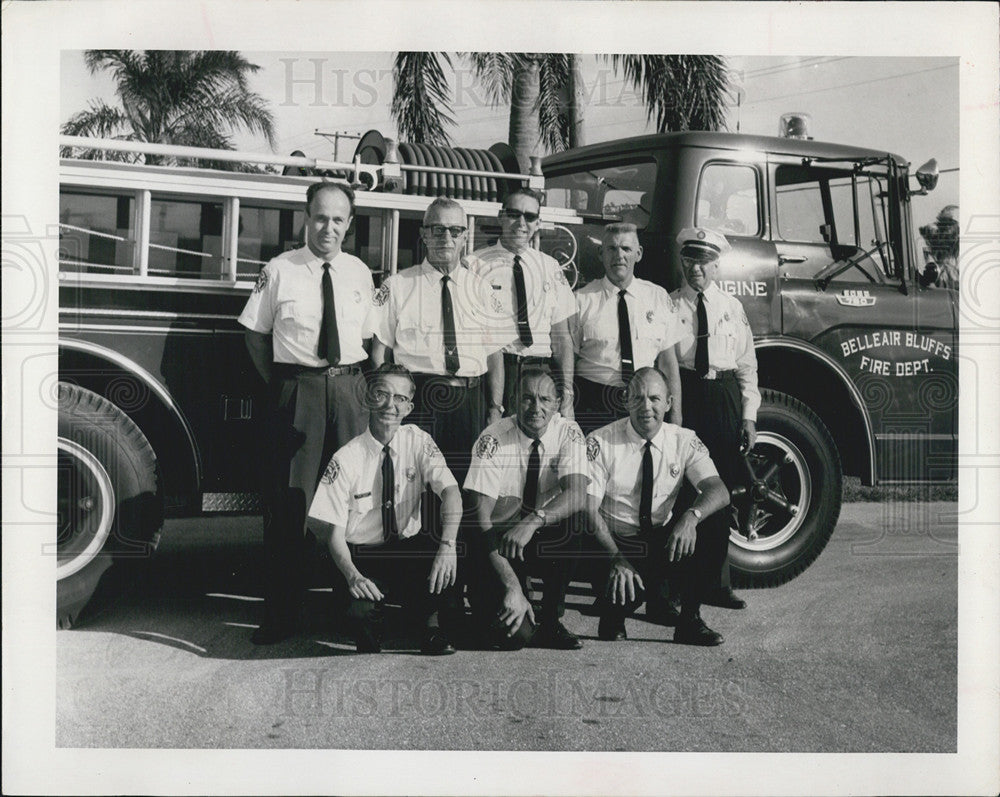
<point>622,324</point>
<point>368,508</point>
<point>305,325</point>
<point>438,320</point>
<point>718,368</point>
<point>535,295</point>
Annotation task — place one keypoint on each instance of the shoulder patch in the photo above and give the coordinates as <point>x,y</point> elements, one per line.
<point>381,296</point>
<point>486,446</point>
<point>593,449</point>
<point>431,450</point>
<point>574,433</point>
<point>697,445</point>
<point>743,316</point>
<point>331,472</point>
<point>261,281</point>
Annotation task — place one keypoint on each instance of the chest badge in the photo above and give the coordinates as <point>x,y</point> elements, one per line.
<point>725,316</point>
<point>675,470</point>
<point>649,317</point>
<point>411,474</point>
<point>357,297</point>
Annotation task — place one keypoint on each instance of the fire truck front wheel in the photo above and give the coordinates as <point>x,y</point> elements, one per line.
<point>109,507</point>
<point>786,517</point>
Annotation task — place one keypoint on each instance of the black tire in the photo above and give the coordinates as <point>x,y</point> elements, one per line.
<point>797,451</point>
<point>109,503</point>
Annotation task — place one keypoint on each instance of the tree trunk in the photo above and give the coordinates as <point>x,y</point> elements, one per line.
<point>575,110</point>
<point>523,132</point>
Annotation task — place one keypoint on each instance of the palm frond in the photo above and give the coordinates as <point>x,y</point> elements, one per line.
<point>421,105</point>
<point>495,71</point>
<point>553,116</point>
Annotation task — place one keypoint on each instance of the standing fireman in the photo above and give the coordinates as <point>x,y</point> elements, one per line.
<point>305,320</point>
<point>719,392</point>
<point>535,295</point>
<point>441,324</point>
<point>622,324</point>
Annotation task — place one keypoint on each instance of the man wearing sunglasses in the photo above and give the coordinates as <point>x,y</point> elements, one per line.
<point>439,322</point>
<point>368,508</point>
<point>534,294</point>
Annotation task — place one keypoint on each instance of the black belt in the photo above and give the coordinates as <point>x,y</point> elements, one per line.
<point>525,360</point>
<point>712,374</point>
<point>451,381</point>
<point>293,369</point>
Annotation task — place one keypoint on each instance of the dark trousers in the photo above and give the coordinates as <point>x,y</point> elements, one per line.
<point>551,555</point>
<point>713,408</point>
<point>400,568</point>
<point>597,405</point>
<point>513,364</point>
<point>311,416</point>
<point>453,415</point>
<point>648,555</point>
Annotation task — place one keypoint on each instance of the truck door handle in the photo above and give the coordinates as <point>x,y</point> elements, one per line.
<point>782,259</point>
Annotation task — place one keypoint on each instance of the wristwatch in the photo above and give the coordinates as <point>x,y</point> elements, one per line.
<point>696,512</point>
<point>540,514</point>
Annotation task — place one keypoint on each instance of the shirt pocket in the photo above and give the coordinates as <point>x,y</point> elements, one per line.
<point>364,504</point>
<point>602,328</point>
<point>300,323</point>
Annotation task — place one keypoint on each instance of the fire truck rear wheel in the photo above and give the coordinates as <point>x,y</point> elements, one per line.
<point>797,495</point>
<point>109,505</point>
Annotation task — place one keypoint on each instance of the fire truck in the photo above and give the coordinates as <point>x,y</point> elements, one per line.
<point>158,399</point>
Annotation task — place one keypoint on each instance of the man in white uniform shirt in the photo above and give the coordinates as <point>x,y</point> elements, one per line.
<point>535,295</point>
<point>305,324</point>
<point>637,465</point>
<point>718,368</point>
<point>622,324</point>
<point>440,322</point>
<point>368,507</point>
<point>528,478</point>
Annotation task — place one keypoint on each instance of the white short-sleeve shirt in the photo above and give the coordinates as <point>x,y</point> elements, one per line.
<point>730,341</point>
<point>408,319</point>
<point>614,453</point>
<point>500,462</point>
<point>548,294</point>
<point>350,492</point>
<point>652,322</point>
<point>287,303</point>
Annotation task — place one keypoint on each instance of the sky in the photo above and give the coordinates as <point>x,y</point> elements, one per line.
<point>907,105</point>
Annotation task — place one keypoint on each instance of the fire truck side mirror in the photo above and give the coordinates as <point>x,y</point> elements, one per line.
<point>927,176</point>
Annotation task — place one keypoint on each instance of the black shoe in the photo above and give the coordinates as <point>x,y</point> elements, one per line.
<point>693,631</point>
<point>436,643</point>
<point>663,614</point>
<point>556,636</point>
<point>366,640</point>
<point>271,632</point>
<point>611,629</point>
<point>725,598</point>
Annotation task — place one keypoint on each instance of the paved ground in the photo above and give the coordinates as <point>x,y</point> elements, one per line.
<point>858,654</point>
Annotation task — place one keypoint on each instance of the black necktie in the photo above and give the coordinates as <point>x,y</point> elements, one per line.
<point>451,363</point>
<point>625,339</point>
<point>646,491</point>
<point>521,302</point>
<point>329,340</point>
<point>701,347</point>
<point>530,501</point>
<point>389,527</point>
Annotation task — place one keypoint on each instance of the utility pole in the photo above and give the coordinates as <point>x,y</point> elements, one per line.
<point>336,135</point>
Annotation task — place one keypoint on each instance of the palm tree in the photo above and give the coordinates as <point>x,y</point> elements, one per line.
<point>682,92</point>
<point>188,97</point>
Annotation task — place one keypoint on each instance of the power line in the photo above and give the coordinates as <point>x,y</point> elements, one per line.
<point>850,85</point>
